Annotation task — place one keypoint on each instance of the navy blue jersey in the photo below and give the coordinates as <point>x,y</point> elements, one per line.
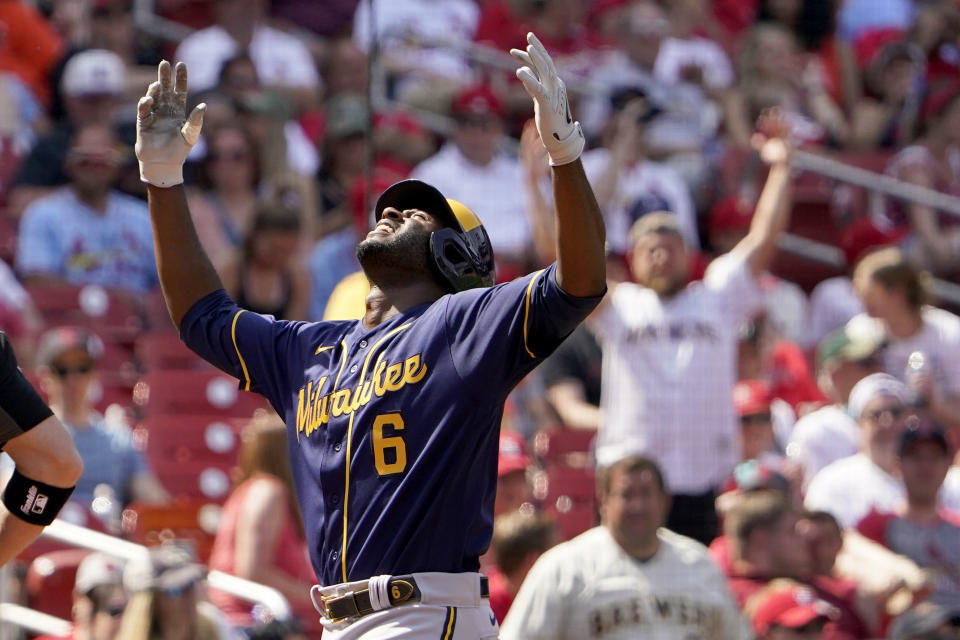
<point>393,431</point>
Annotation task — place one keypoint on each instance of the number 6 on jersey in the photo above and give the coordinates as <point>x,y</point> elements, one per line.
<point>381,444</point>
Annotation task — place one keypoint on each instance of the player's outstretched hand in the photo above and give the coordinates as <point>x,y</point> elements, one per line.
<point>772,137</point>
<point>164,138</point>
<point>560,134</point>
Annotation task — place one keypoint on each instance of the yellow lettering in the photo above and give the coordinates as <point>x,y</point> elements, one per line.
<point>341,403</point>
<point>302,412</point>
<point>413,371</point>
<point>324,410</point>
<point>394,377</point>
<point>378,387</point>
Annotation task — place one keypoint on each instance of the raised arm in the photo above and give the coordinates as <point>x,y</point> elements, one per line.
<point>581,267</point>
<point>164,139</point>
<point>772,214</point>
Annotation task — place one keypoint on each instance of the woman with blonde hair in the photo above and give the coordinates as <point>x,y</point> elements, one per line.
<point>261,536</point>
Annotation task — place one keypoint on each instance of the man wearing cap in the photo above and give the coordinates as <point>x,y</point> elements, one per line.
<point>670,348</point>
<point>99,598</point>
<point>922,529</point>
<point>830,433</point>
<point>787,610</point>
<point>473,167</point>
<point>91,84</point>
<point>513,487</point>
<point>113,467</point>
<point>849,488</point>
<point>392,419</point>
<point>627,578</point>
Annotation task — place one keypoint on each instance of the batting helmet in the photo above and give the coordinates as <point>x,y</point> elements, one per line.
<point>460,254</point>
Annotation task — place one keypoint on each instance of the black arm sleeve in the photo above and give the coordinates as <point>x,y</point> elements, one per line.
<point>21,407</point>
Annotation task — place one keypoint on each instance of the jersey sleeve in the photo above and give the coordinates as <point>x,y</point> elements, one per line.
<point>262,353</point>
<point>503,332</point>
<point>21,407</point>
<point>740,295</point>
<point>541,607</point>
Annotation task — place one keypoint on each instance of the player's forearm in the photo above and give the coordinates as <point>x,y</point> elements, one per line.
<point>770,219</point>
<point>186,273</point>
<point>581,266</point>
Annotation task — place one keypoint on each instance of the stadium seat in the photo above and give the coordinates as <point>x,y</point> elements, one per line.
<point>50,579</point>
<point>194,392</point>
<point>164,350</point>
<point>567,495</point>
<point>189,522</point>
<point>115,316</point>
<point>563,447</point>
<point>574,521</point>
<point>188,439</point>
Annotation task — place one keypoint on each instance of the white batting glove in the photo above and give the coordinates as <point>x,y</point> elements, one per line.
<point>164,138</point>
<point>562,137</point>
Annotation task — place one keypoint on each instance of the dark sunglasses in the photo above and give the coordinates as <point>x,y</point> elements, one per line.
<point>114,610</point>
<point>895,413</point>
<point>63,372</point>
<point>755,418</point>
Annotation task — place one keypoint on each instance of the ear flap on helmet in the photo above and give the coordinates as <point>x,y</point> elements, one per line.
<point>462,260</point>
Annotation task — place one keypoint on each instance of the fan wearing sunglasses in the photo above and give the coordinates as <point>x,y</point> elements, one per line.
<point>68,358</point>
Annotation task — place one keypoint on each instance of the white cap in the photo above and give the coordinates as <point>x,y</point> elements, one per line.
<point>93,72</point>
<point>98,569</point>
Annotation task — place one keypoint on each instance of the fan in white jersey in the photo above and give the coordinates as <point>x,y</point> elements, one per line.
<point>628,578</point>
<point>894,294</point>
<point>669,348</point>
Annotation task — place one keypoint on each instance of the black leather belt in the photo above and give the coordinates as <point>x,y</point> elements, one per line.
<point>400,589</point>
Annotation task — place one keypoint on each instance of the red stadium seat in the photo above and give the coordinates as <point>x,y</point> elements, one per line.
<point>574,521</point>
<point>164,350</point>
<point>189,522</point>
<point>563,447</point>
<point>567,495</point>
<point>115,315</point>
<point>194,392</point>
<point>50,579</point>
<point>190,439</point>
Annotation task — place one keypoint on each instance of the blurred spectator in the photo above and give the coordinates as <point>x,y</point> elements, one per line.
<point>927,621</point>
<point>830,433</point>
<point>627,184</point>
<point>265,276</point>
<point>787,610</point>
<point>519,538</point>
<point>772,74</point>
<point>165,600</point>
<point>886,116</point>
<point>283,62</point>
<point>688,55</point>
<point>419,44</point>
<point>848,488</point>
<point>751,401</point>
<point>344,161</point>
<point>92,85</point>
<point>813,22</point>
<point>328,19</point>
<point>29,47</point>
<point>98,598</point>
<point>766,544</point>
<point>832,303</point>
<point>934,31</point>
<point>345,68</point>
<point>572,378</point>
<point>628,577</point>
<point>858,18</point>
<point>663,338</point>
<point>513,485</point>
<point>472,167</point>
<point>224,202</point>
<point>113,468</point>
<point>260,536</point>
<point>932,162</point>
<point>922,530</point>
<point>87,232</point>
<point>895,294</point>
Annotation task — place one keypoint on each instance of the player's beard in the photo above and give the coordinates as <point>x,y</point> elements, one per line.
<point>665,286</point>
<point>396,258</point>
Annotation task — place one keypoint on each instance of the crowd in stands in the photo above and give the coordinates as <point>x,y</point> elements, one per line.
<point>742,440</point>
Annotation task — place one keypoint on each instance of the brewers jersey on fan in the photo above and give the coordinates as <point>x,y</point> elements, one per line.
<point>393,431</point>
<point>669,366</point>
<point>590,587</point>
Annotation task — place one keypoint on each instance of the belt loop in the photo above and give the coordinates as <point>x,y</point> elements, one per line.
<point>378,587</point>
<point>321,609</point>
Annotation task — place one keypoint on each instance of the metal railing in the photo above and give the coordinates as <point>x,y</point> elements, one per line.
<point>78,536</point>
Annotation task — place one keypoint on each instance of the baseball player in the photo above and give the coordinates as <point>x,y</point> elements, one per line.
<point>47,463</point>
<point>393,419</point>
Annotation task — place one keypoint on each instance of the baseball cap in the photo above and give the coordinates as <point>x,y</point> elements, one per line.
<point>164,567</point>
<point>843,346</point>
<point>655,222</point>
<point>476,100</point>
<point>59,340</point>
<point>920,430</point>
<point>97,570</point>
<point>751,397</point>
<point>513,455</point>
<point>93,72</point>
<point>791,607</point>
<point>414,194</point>
<point>923,619</point>
<point>875,384</point>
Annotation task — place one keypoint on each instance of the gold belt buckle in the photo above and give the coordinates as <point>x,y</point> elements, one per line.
<point>325,599</point>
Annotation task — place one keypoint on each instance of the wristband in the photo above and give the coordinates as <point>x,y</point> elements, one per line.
<point>33,501</point>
